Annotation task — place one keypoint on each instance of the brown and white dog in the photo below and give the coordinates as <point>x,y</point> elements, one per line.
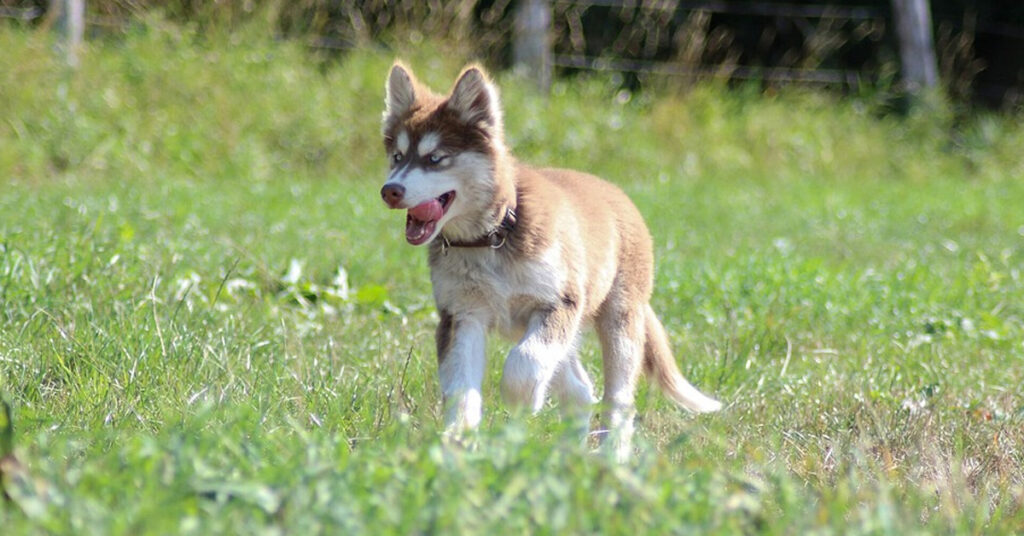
<point>533,253</point>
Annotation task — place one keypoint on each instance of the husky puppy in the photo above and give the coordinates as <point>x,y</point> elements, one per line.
<point>534,253</point>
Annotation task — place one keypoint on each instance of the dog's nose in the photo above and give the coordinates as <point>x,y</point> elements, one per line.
<point>392,194</point>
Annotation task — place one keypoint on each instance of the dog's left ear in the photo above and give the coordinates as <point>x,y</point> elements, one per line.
<point>475,99</point>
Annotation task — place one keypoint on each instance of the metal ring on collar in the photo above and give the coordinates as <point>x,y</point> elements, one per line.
<point>499,244</point>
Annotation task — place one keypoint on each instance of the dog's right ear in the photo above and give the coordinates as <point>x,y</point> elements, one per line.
<point>400,91</point>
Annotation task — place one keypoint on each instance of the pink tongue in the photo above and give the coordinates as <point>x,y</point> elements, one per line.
<point>427,211</point>
<point>422,220</point>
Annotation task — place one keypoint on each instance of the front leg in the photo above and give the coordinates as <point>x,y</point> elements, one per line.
<point>546,345</point>
<point>460,364</point>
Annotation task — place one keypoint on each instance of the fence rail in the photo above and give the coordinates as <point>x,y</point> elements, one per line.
<point>739,72</point>
<point>767,9</point>
<point>21,13</point>
<point>917,57</point>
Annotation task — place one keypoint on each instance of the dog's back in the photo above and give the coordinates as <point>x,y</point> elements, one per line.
<point>598,228</point>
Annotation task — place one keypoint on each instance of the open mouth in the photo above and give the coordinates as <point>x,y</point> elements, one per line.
<point>421,220</point>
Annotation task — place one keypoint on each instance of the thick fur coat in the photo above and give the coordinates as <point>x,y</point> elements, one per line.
<point>533,253</point>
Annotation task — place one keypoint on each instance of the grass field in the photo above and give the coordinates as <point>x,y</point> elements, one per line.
<point>209,323</point>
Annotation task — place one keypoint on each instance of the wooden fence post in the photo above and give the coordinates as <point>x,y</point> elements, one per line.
<point>917,50</point>
<point>531,47</point>
<point>70,17</point>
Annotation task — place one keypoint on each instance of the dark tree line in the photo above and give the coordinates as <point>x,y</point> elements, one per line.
<point>979,44</point>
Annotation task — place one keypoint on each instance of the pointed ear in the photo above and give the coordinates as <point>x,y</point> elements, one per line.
<point>400,91</point>
<point>475,99</point>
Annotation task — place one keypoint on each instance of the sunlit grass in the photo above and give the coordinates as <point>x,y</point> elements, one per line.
<point>210,324</point>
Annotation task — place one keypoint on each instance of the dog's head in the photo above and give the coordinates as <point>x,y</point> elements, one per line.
<point>442,150</point>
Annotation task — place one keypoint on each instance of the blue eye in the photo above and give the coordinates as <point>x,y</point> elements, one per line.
<point>436,158</point>
<point>397,157</point>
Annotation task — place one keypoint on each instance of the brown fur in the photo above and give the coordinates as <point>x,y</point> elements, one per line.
<point>580,253</point>
<point>443,336</point>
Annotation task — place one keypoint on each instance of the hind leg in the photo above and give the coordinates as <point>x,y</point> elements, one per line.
<point>571,385</point>
<point>621,330</point>
<point>535,361</point>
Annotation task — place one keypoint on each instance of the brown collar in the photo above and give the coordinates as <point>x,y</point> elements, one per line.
<point>494,239</point>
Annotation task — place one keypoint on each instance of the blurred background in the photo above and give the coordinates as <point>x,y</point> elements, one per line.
<point>973,50</point>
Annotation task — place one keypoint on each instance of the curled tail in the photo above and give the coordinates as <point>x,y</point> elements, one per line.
<point>661,366</point>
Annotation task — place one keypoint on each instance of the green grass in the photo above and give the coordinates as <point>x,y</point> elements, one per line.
<point>210,324</point>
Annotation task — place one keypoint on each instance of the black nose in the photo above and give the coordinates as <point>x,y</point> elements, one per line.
<point>392,193</point>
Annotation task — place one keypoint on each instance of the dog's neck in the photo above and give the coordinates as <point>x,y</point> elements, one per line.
<point>471,227</point>
<point>495,238</point>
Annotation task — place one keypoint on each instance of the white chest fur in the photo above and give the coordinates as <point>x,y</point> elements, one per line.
<point>499,290</point>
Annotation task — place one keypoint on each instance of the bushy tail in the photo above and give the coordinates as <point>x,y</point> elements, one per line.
<point>661,366</point>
